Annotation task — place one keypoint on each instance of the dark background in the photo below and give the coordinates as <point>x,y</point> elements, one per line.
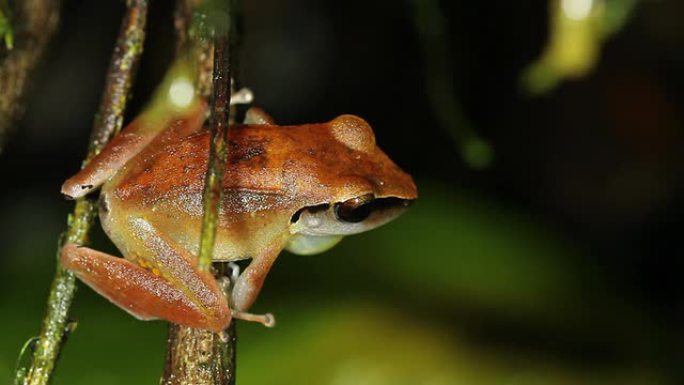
<point>558,263</point>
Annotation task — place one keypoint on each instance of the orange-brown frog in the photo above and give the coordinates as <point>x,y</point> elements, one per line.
<point>300,188</point>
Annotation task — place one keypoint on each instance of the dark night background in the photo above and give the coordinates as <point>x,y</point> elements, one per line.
<point>557,263</point>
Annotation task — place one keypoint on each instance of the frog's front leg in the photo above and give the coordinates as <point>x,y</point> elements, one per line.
<point>249,283</point>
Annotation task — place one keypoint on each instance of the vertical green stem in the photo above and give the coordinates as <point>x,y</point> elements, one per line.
<point>220,107</point>
<point>108,122</point>
<point>194,356</point>
<point>430,23</point>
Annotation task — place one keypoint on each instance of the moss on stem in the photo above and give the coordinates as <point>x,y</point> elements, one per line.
<point>108,122</point>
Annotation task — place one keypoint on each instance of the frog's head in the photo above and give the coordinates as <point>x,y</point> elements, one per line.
<point>365,189</point>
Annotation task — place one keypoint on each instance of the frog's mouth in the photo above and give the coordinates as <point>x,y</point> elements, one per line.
<point>318,228</point>
<point>352,216</point>
<point>361,209</point>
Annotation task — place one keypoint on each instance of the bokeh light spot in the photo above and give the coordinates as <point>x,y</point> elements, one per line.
<point>577,9</point>
<point>181,92</point>
<point>477,153</point>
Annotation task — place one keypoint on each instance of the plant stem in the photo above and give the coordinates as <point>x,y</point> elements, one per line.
<point>194,356</point>
<point>108,122</point>
<point>431,25</point>
<point>194,41</point>
<point>199,357</point>
<point>220,106</point>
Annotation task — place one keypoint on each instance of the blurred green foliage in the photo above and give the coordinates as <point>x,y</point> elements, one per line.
<point>388,307</point>
<point>578,30</point>
<point>430,24</point>
<point>6,31</point>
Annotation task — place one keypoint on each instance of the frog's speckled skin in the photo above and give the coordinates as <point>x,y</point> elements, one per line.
<point>152,177</point>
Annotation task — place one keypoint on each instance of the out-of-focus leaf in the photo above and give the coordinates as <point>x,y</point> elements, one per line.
<point>578,29</point>
<point>362,343</point>
<point>6,31</point>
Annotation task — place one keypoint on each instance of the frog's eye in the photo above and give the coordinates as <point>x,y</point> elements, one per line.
<point>354,210</point>
<point>352,216</point>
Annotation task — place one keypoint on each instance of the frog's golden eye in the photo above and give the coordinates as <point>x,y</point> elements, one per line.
<point>355,210</point>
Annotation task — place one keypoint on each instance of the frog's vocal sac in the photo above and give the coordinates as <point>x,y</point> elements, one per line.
<point>300,188</point>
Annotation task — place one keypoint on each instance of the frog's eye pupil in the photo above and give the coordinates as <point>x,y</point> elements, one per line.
<point>354,210</point>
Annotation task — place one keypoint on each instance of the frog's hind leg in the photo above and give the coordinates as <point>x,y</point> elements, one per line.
<point>145,293</point>
<point>133,139</point>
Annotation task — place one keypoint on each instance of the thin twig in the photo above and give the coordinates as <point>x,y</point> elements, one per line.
<point>194,356</point>
<point>220,106</point>
<point>431,25</point>
<point>108,122</point>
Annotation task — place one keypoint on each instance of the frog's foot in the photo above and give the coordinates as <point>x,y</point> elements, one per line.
<point>242,96</point>
<point>227,283</point>
<point>256,115</point>
<point>234,273</point>
<point>146,294</point>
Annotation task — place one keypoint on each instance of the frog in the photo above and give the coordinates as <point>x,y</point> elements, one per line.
<point>300,188</point>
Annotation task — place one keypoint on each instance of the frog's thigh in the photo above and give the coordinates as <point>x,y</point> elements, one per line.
<point>249,283</point>
<point>142,293</point>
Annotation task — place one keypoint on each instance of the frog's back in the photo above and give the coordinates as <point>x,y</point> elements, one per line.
<point>271,172</point>
<point>268,167</point>
<point>164,184</point>
<point>173,171</point>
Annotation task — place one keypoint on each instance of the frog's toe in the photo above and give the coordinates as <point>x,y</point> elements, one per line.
<point>267,319</point>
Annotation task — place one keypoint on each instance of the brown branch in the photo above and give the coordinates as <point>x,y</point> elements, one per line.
<point>196,356</point>
<point>108,122</point>
<point>35,21</point>
<point>200,357</point>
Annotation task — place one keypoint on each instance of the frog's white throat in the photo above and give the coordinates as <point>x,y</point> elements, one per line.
<point>311,244</point>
